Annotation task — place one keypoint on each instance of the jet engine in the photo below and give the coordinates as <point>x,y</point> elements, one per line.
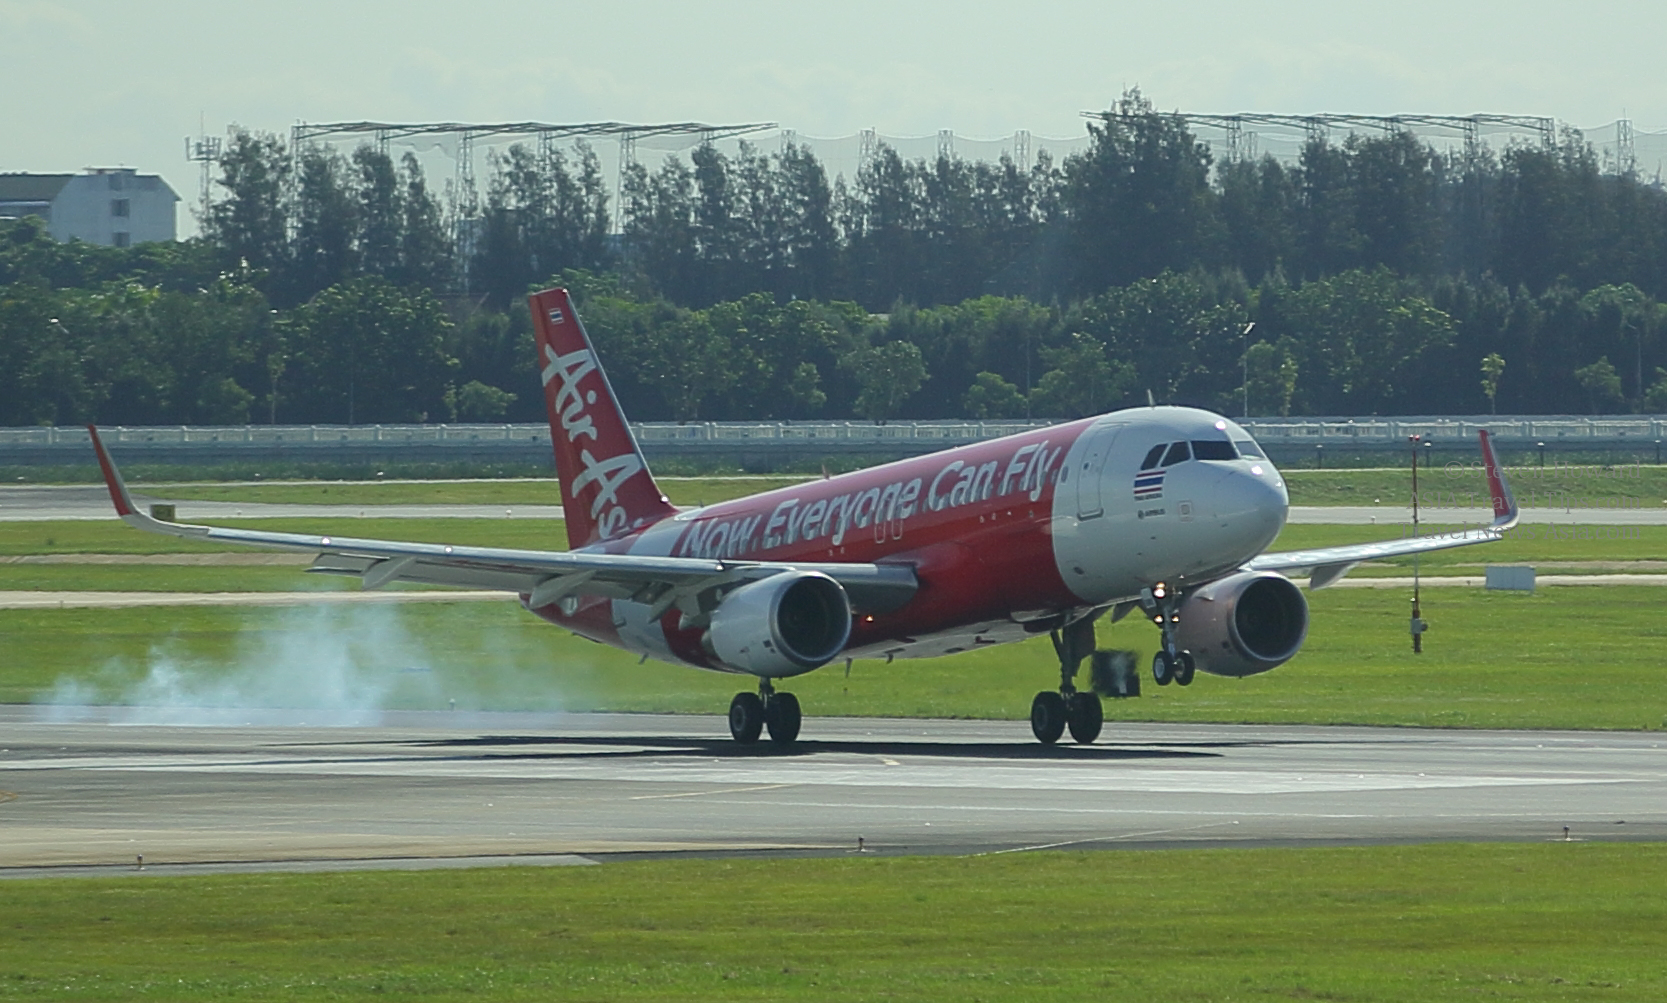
<point>1243,624</point>
<point>782,625</point>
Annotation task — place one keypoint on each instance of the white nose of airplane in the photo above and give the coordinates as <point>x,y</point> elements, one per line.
<point>1251,504</point>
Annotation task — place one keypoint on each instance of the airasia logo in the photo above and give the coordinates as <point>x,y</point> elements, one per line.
<point>571,406</point>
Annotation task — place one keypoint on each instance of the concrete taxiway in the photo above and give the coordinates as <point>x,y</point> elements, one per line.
<point>95,793</point>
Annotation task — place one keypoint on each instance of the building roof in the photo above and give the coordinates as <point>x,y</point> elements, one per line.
<point>32,187</point>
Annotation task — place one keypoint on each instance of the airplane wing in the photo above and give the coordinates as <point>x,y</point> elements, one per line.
<point>1326,565</point>
<point>543,576</point>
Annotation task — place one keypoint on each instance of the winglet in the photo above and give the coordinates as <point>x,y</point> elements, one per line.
<point>112,477</point>
<point>1505,511</point>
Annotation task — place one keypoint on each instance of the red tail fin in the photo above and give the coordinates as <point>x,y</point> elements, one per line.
<point>606,489</point>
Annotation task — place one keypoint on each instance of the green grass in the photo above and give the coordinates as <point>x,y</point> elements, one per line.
<point>1463,485</point>
<point>115,537</point>
<point>1429,923</point>
<point>164,578</point>
<point>1460,484</point>
<point>1562,658</point>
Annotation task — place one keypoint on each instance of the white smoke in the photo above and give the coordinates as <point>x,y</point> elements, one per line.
<point>321,665</point>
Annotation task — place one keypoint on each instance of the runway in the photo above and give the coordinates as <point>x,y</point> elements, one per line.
<point>439,789</point>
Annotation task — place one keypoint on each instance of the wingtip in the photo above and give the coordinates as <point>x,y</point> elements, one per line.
<point>112,477</point>
<point>1505,513</point>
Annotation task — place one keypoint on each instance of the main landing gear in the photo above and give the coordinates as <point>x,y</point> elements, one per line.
<point>751,713</point>
<point>1169,665</point>
<point>1052,713</point>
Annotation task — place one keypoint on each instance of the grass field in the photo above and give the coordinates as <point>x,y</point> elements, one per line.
<point>1562,921</point>
<point>1563,658</point>
<point>1604,545</point>
<point>1457,484</point>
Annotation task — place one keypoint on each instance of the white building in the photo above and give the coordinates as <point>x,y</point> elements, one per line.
<point>114,206</point>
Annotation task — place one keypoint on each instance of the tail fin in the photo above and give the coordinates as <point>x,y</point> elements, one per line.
<point>606,488</point>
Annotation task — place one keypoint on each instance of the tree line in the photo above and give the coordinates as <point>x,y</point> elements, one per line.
<point>1376,275</point>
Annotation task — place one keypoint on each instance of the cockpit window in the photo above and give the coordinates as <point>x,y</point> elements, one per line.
<point>1177,453</point>
<point>1248,449</point>
<point>1154,456</point>
<point>1213,449</point>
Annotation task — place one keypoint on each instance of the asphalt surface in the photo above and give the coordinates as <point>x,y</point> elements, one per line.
<point>93,796</point>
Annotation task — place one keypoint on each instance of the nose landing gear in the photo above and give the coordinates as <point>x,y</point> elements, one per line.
<point>1169,665</point>
<point>1051,713</point>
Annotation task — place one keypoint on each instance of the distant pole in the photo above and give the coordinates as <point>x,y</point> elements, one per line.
<point>1417,624</point>
<point>1244,359</point>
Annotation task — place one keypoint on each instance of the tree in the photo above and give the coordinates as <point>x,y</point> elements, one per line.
<point>806,388</point>
<point>990,396</point>
<point>1139,200</point>
<point>1655,399</point>
<point>1493,367</point>
<point>886,375</point>
<point>1362,337</point>
<point>477,401</point>
<point>425,252</point>
<point>250,224</point>
<point>1081,380</point>
<point>366,351</point>
<point>326,226</point>
<point>379,204</point>
<point>1601,383</point>
<point>1271,377</point>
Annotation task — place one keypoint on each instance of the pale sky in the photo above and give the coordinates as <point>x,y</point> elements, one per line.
<point>99,83</point>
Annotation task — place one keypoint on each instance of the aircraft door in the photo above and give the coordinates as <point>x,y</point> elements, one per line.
<point>1089,473</point>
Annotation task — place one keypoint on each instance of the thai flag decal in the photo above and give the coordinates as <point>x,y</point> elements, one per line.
<point>1148,484</point>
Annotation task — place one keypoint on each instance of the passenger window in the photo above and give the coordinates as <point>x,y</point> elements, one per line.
<point>1213,449</point>
<point>1177,453</point>
<point>1153,457</point>
<point>1248,449</point>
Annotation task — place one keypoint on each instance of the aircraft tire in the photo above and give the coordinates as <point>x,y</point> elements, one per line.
<point>1184,669</point>
<point>781,716</point>
<point>1163,668</point>
<point>1085,717</point>
<point>1047,717</point>
<point>746,718</point>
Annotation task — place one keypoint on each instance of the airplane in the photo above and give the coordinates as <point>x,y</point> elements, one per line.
<point>1161,509</point>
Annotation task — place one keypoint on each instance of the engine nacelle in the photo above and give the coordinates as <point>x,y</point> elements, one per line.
<point>1243,624</point>
<point>781,625</point>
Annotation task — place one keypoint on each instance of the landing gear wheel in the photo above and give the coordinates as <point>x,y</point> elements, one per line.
<point>1047,717</point>
<point>746,718</point>
<point>781,715</point>
<point>1184,668</point>
<point>1084,716</point>
<point>1163,668</point>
